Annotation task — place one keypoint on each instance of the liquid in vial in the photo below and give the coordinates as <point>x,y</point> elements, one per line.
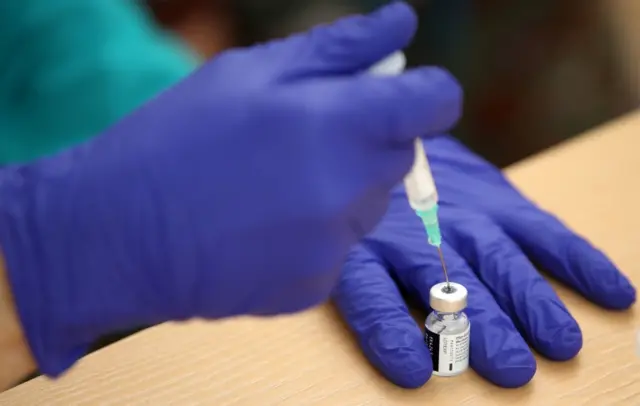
<point>447,329</point>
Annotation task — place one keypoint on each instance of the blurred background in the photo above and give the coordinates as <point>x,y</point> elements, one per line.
<point>534,72</point>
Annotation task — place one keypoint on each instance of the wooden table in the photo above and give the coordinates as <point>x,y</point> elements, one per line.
<point>310,359</point>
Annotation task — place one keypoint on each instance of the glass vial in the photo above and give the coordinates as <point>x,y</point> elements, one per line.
<point>447,329</point>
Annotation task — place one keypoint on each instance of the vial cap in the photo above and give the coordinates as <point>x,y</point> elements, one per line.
<point>451,298</point>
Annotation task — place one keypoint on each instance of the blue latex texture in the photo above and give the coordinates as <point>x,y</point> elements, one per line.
<point>237,192</point>
<point>492,237</point>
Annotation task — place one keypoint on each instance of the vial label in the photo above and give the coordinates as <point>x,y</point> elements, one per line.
<point>449,352</point>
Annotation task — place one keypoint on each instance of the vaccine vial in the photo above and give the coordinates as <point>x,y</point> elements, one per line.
<point>447,329</point>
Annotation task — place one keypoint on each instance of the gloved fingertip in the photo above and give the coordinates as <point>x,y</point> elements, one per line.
<point>575,262</point>
<point>499,353</point>
<point>399,11</point>
<point>509,368</point>
<point>549,326</point>
<point>515,376</point>
<point>400,354</point>
<point>357,42</point>
<point>564,344</point>
<point>600,280</point>
<point>442,98</point>
<point>450,106</point>
<point>425,100</point>
<point>619,297</point>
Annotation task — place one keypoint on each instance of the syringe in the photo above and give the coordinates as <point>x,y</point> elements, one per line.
<point>419,185</point>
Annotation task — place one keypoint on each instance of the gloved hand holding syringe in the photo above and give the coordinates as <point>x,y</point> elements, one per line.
<point>419,184</point>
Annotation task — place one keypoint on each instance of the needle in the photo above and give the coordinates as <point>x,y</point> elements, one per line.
<point>444,268</point>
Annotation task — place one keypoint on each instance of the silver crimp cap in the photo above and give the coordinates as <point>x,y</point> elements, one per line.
<point>444,300</point>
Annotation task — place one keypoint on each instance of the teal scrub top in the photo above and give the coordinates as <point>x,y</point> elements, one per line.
<point>71,68</point>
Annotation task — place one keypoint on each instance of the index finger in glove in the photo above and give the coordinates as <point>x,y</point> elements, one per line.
<point>355,43</point>
<point>374,309</point>
<point>568,257</point>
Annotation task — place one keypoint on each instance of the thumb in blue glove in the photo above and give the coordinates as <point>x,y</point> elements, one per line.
<point>492,235</point>
<point>239,191</point>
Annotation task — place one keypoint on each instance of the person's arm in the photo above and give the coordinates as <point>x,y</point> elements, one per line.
<point>71,68</point>
<point>16,361</point>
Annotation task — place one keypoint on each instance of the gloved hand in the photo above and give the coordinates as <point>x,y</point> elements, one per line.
<point>492,236</point>
<point>239,191</point>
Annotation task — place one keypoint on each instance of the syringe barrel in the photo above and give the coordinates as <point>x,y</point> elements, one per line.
<point>418,183</point>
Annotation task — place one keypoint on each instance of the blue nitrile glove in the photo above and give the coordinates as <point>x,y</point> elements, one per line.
<point>492,236</point>
<point>239,191</point>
